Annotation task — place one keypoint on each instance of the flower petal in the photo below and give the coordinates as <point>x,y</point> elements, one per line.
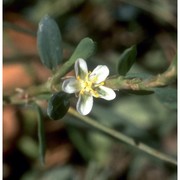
<point>99,74</point>
<point>70,85</point>
<point>84,104</point>
<point>81,68</point>
<point>106,93</point>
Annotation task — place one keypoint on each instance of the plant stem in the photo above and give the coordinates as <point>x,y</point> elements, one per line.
<point>123,137</point>
<point>136,84</point>
<point>120,82</point>
<point>62,72</point>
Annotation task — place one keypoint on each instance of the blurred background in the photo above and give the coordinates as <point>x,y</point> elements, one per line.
<point>75,150</point>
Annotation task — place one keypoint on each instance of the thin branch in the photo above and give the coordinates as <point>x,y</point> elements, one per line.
<point>159,80</point>
<point>116,83</point>
<point>122,137</point>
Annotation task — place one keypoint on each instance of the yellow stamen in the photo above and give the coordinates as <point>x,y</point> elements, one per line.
<point>87,85</point>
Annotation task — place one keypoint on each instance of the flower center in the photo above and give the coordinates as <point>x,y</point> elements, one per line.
<point>88,86</point>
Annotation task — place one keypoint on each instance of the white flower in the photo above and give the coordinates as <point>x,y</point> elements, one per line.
<point>88,85</point>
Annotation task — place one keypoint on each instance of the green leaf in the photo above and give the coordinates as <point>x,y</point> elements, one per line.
<point>84,50</point>
<point>168,96</point>
<point>41,134</point>
<point>58,105</point>
<point>126,60</point>
<point>49,42</point>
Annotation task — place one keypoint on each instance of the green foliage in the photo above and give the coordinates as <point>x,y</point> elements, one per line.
<point>49,42</point>
<point>45,96</point>
<point>41,134</point>
<point>144,118</point>
<point>58,105</point>
<point>84,50</point>
<point>126,60</point>
<point>168,96</point>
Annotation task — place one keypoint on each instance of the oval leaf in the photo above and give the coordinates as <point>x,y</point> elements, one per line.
<point>84,50</point>
<point>49,42</point>
<point>126,60</point>
<point>58,105</point>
